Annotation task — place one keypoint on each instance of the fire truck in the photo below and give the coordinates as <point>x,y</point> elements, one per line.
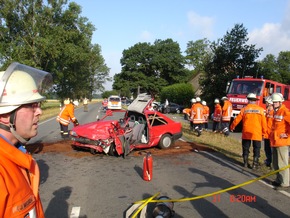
<point>239,88</point>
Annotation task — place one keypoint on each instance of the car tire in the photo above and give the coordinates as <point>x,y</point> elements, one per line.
<point>93,151</point>
<point>178,111</point>
<point>165,141</point>
<point>112,150</point>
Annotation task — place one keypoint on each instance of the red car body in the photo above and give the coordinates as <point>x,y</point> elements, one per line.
<point>141,127</point>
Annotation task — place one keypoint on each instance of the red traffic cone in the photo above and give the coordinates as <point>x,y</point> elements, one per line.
<point>147,167</point>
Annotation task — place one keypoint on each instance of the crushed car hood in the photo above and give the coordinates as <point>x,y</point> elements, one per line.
<point>95,130</point>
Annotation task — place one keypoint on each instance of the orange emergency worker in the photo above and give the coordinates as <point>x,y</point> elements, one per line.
<point>226,115</point>
<point>254,127</point>
<point>280,140</point>
<point>216,115</point>
<point>197,116</point>
<point>269,118</point>
<point>19,116</point>
<point>105,104</point>
<point>66,116</point>
<point>205,114</point>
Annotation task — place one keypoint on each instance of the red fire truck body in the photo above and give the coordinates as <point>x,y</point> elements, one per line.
<point>239,89</point>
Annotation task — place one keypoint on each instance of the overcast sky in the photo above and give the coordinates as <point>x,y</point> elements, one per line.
<point>120,24</point>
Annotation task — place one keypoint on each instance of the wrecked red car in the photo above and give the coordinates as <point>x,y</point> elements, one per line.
<point>140,127</point>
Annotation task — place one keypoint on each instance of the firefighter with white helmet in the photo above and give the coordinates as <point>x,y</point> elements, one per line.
<point>206,113</point>
<point>66,116</point>
<point>269,113</point>
<point>254,128</point>
<point>197,116</point>
<point>226,115</point>
<point>20,98</point>
<point>280,140</point>
<point>217,114</point>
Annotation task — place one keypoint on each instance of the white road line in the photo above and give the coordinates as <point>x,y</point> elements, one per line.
<point>75,212</point>
<point>239,169</point>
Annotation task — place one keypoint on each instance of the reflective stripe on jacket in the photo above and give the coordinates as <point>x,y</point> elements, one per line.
<point>217,113</point>
<point>197,115</point>
<point>227,111</point>
<point>281,125</point>
<point>66,115</point>
<point>19,183</point>
<point>254,122</point>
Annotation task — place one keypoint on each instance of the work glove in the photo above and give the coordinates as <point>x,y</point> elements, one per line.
<point>76,123</point>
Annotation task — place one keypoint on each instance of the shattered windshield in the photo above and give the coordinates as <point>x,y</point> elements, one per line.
<point>242,87</point>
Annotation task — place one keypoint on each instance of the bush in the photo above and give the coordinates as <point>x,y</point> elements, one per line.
<point>180,93</point>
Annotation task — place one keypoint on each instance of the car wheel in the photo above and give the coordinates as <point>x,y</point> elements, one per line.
<point>112,150</point>
<point>165,141</point>
<point>178,111</point>
<point>93,151</point>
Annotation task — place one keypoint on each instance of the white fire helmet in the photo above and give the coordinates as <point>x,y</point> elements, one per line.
<point>76,103</point>
<point>198,99</point>
<point>21,84</point>
<point>252,96</point>
<point>193,100</point>
<point>277,97</point>
<point>224,98</point>
<point>203,103</point>
<point>216,101</point>
<point>268,100</point>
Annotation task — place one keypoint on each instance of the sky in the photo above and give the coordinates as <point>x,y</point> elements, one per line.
<point>120,24</point>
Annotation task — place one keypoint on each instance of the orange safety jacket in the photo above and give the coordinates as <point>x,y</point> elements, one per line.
<point>105,103</point>
<point>254,122</point>
<point>269,119</point>
<point>66,115</point>
<point>205,113</point>
<point>217,114</point>
<point>19,183</point>
<point>281,125</point>
<point>197,115</point>
<point>227,111</point>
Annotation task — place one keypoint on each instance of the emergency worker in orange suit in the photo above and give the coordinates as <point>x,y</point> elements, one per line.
<point>205,114</point>
<point>254,128</point>
<point>197,116</point>
<point>226,115</point>
<point>216,115</point>
<point>269,118</point>
<point>280,140</point>
<point>66,116</point>
<point>19,116</point>
<point>105,104</point>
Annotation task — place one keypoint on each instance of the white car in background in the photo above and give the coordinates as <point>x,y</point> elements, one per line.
<point>114,102</point>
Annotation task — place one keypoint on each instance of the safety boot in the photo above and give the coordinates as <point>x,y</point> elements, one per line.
<point>246,163</point>
<point>255,163</point>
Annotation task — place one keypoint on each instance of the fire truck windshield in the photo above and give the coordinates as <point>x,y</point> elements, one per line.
<point>244,87</point>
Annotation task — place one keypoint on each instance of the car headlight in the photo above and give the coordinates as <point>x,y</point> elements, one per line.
<point>73,133</point>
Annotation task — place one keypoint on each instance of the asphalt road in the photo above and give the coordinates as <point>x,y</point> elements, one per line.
<point>104,186</point>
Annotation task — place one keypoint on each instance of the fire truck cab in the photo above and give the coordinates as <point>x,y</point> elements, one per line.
<point>239,88</point>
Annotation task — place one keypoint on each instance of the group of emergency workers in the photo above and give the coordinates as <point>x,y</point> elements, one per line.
<point>272,125</point>
<point>199,115</point>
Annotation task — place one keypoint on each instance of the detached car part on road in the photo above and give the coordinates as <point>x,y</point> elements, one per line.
<point>142,127</point>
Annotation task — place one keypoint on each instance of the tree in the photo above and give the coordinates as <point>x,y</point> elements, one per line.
<point>52,36</point>
<point>197,54</point>
<point>232,57</point>
<point>149,68</point>
<point>268,68</point>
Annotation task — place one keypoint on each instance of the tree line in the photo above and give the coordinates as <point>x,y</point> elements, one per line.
<point>53,36</point>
